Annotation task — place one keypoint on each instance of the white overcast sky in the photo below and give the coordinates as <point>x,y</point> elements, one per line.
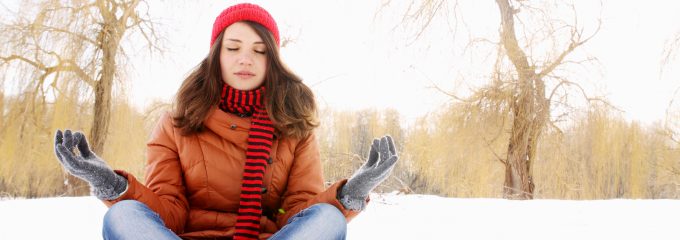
<point>354,60</point>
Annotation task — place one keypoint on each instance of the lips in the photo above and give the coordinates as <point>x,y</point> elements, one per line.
<point>244,74</point>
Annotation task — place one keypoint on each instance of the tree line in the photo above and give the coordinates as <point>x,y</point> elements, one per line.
<point>65,65</point>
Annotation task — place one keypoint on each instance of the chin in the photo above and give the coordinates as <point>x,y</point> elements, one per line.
<point>244,88</point>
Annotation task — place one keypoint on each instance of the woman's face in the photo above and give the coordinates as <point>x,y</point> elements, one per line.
<point>243,58</point>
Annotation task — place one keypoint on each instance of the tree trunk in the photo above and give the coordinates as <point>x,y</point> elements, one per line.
<point>110,35</point>
<point>102,102</point>
<point>518,183</point>
<point>529,111</point>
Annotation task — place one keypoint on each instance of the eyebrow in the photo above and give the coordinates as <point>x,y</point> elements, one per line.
<point>236,40</point>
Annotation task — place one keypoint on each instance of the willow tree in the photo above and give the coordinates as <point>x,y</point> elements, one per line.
<point>50,42</point>
<point>531,48</point>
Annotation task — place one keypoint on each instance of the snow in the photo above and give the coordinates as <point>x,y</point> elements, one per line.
<point>392,216</point>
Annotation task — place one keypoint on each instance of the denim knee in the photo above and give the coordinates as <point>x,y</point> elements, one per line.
<point>130,219</point>
<point>330,215</point>
<point>121,212</point>
<point>123,209</point>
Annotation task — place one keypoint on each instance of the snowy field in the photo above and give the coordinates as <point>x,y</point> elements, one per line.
<point>403,217</point>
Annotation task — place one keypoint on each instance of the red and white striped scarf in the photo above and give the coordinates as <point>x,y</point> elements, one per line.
<point>260,137</point>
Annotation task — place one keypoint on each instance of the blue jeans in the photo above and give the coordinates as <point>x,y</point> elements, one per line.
<point>319,221</point>
<point>130,219</point>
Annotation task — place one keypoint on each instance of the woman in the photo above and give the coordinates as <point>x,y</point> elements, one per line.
<point>237,157</point>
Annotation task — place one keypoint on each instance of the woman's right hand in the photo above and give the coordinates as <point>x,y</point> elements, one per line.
<point>104,182</point>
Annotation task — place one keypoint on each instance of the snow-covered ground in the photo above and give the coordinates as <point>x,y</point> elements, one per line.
<point>392,216</point>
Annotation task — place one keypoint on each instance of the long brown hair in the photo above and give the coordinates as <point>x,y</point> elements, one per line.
<point>289,102</point>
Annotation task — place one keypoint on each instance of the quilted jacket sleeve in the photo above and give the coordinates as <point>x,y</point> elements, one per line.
<point>164,191</point>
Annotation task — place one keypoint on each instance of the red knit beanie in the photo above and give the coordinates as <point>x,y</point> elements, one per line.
<point>244,12</point>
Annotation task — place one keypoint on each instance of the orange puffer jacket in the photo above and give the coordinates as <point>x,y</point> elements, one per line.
<point>193,182</point>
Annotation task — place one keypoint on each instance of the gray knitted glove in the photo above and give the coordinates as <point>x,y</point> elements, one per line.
<point>104,183</point>
<point>381,160</point>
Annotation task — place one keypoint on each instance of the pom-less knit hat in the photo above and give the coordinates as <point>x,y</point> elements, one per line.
<point>244,12</point>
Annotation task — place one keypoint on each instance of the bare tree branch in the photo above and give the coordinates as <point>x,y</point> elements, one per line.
<point>498,157</point>
<point>565,82</point>
<point>23,59</point>
<point>576,42</point>
<point>60,30</point>
<point>669,52</point>
<point>436,87</point>
<point>70,67</point>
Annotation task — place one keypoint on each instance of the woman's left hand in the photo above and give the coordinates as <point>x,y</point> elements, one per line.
<point>381,160</point>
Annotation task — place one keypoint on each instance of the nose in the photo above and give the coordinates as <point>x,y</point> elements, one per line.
<point>245,59</point>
